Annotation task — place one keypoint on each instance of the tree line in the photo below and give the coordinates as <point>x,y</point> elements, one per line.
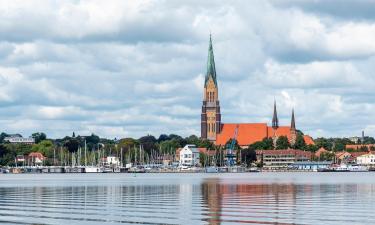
<point>60,148</point>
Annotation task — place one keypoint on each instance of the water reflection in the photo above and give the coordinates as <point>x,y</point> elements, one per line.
<point>186,200</point>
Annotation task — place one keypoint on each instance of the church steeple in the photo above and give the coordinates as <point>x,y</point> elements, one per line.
<point>275,120</point>
<point>211,116</point>
<point>293,131</point>
<point>293,122</point>
<point>211,70</point>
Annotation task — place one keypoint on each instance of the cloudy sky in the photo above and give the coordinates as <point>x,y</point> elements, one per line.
<point>131,68</point>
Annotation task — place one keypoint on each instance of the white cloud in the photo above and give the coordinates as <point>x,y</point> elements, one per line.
<point>129,68</point>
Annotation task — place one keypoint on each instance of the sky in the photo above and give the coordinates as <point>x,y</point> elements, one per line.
<point>132,68</point>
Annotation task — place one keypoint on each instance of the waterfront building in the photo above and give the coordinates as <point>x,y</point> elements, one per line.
<point>220,133</point>
<point>366,159</point>
<point>282,159</point>
<point>311,166</point>
<point>35,159</point>
<point>347,157</point>
<point>342,157</point>
<point>189,156</point>
<point>111,161</point>
<point>20,158</point>
<point>201,150</point>
<point>18,139</point>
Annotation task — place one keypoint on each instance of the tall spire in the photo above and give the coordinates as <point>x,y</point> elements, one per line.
<point>275,120</point>
<point>211,71</point>
<point>293,123</point>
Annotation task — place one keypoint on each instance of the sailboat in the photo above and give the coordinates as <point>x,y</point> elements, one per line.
<point>92,168</point>
<point>213,168</point>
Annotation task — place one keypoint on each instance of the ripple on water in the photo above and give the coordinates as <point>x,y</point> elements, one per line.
<point>198,199</point>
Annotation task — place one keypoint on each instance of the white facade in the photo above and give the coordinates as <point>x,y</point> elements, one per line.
<point>189,156</point>
<point>20,140</point>
<point>366,159</point>
<point>112,160</point>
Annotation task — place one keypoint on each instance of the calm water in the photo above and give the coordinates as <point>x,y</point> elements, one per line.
<point>257,198</point>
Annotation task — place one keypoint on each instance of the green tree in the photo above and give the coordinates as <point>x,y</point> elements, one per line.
<point>39,136</point>
<point>205,144</point>
<point>248,156</point>
<point>169,146</point>
<point>163,137</point>
<point>300,142</point>
<point>311,148</point>
<point>45,147</point>
<point>72,144</point>
<point>282,142</point>
<point>327,156</point>
<point>127,143</point>
<point>148,143</point>
<point>265,144</point>
<point>323,142</point>
<point>203,159</point>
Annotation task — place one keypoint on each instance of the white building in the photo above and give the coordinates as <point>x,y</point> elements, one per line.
<point>111,161</point>
<point>19,140</point>
<point>189,156</point>
<point>366,159</point>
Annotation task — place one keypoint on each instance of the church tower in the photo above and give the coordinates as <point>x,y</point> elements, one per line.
<point>211,116</point>
<point>275,124</point>
<point>293,130</point>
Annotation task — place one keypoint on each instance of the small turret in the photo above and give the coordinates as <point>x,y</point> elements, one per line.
<point>275,120</point>
<point>293,123</point>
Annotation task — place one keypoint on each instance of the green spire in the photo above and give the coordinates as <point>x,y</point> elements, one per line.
<point>211,71</point>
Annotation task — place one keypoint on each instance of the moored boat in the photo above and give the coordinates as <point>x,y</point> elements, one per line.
<point>212,169</point>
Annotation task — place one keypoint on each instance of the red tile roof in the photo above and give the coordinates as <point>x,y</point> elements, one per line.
<point>356,154</point>
<point>36,155</point>
<point>320,151</point>
<point>356,147</point>
<point>308,140</point>
<point>249,133</point>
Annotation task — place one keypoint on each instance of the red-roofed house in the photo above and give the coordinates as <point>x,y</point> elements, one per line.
<point>320,151</point>
<point>35,158</point>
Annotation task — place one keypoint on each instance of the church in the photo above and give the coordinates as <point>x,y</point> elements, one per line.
<point>220,133</point>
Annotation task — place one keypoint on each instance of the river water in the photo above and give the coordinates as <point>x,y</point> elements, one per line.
<point>247,198</point>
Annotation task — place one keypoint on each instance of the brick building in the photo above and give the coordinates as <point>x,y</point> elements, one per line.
<point>219,133</point>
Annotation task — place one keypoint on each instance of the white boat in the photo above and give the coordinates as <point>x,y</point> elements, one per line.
<point>357,168</point>
<point>93,169</point>
<point>137,169</point>
<point>341,168</point>
<point>212,169</point>
<point>184,168</point>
